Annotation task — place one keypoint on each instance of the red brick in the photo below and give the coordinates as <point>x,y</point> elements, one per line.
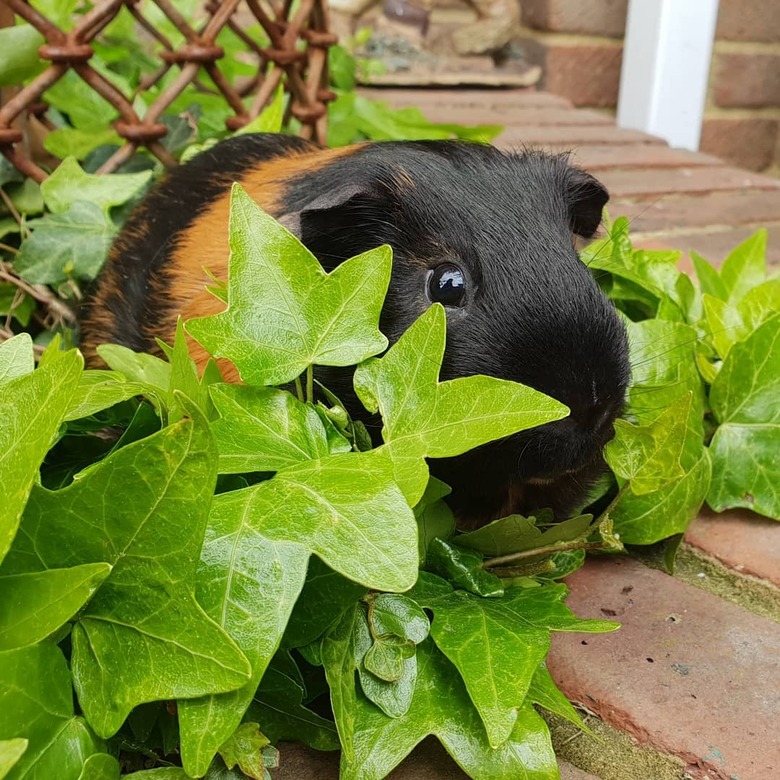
<point>646,183</point>
<point>516,115</point>
<point>746,207</point>
<point>429,761</point>
<point>748,143</point>
<point>594,17</point>
<point>713,245</point>
<point>570,136</point>
<point>690,674</point>
<point>739,539</point>
<point>484,99</point>
<point>747,80</point>
<point>586,75</point>
<point>748,20</point>
<point>599,158</point>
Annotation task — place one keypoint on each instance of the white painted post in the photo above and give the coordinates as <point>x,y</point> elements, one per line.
<point>666,66</point>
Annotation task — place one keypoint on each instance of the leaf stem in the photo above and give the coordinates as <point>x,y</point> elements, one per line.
<point>310,384</point>
<point>40,293</point>
<point>504,560</point>
<point>299,389</point>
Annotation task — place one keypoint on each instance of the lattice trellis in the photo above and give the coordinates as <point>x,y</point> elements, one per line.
<point>299,36</point>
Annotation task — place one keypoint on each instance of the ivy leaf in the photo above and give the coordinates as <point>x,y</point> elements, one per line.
<point>36,703</point>
<point>278,708</point>
<point>709,279</point>
<point>138,367</point>
<point>498,644</point>
<point>69,184</point>
<point>463,568</point>
<point>434,517</point>
<point>425,418</point>
<point>17,357</point>
<point>99,390</point>
<point>346,509</point>
<point>235,557</point>
<point>100,766</point>
<point>31,409</point>
<point>516,533</point>
<point>545,693</point>
<point>36,604</point>
<point>649,455</point>
<point>11,750</point>
<point>745,266</point>
<point>72,142</point>
<point>244,749</point>
<point>744,399</point>
<point>70,244</point>
<point>265,429</point>
<point>142,637</point>
<point>393,613</point>
<point>385,658</point>
<point>441,706</point>
<point>284,312</point>
<point>19,59</point>
<point>325,597</point>
<point>650,517</point>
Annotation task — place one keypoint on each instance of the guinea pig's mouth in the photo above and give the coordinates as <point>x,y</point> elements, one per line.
<point>562,493</point>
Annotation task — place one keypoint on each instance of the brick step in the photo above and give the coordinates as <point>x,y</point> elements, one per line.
<point>728,209</point>
<point>646,183</point>
<point>509,116</point>
<point>688,673</point>
<point>569,136</point>
<point>712,244</point>
<point>597,158</point>
<point>478,99</point>
<point>741,540</point>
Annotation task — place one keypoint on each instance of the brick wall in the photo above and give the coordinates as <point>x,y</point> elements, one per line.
<point>579,44</point>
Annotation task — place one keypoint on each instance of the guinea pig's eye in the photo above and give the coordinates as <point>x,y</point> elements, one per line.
<point>447,285</point>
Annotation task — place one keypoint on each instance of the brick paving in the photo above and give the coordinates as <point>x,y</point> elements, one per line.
<point>690,674</point>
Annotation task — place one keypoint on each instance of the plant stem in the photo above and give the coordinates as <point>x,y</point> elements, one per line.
<point>299,389</point>
<point>504,560</point>
<point>40,293</point>
<point>310,384</point>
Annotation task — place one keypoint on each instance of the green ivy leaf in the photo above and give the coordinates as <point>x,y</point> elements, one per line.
<point>17,357</point>
<point>744,449</point>
<point>393,613</point>
<point>31,409</point>
<point>516,533</point>
<point>11,750</point>
<point>235,557</point>
<point>278,708</point>
<point>100,766</point>
<point>142,637</point>
<point>138,367</point>
<point>325,597</point>
<point>36,604</point>
<point>98,390</point>
<point>284,312</point>
<point>498,644</point>
<point>386,657</point>
<point>545,693</point>
<point>265,429</point>
<point>745,266</point>
<point>441,706</point>
<point>19,58</point>
<point>69,184</point>
<point>425,418</point>
<point>72,244</point>
<point>244,749</point>
<point>36,703</point>
<point>72,142</point>
<point>434,518</point>
<point>649,455</point>
<point>463,568</point>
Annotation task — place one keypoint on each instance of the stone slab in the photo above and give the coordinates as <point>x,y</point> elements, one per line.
<point>569,136</point>
<point>690,674</point>
<point>598,157</point>
<point>741,540</point>
<point>483,99</point>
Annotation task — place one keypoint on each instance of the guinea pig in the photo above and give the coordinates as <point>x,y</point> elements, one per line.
<point>488,234</point>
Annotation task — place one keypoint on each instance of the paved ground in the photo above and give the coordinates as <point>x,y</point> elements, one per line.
<point>694,674</point>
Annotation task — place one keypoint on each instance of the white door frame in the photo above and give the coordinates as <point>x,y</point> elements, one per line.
<point>666,66</point>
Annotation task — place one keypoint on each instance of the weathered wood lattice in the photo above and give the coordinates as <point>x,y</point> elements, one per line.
<point>299,36</point>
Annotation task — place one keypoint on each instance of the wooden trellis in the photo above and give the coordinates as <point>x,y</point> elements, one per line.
<point>297,57</point>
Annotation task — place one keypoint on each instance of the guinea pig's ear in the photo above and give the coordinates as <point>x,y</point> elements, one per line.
<point>335,200</point>
<point>339,223</point>
<point>587,198</point>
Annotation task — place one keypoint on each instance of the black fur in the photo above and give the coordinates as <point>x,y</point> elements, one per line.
<point>532,312</point>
